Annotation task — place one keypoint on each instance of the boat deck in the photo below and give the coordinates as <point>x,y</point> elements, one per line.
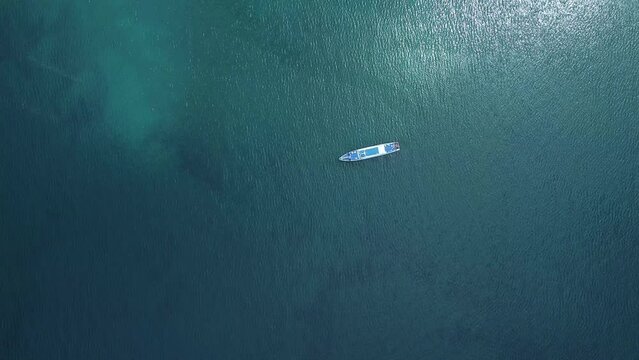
<point>370,152</point>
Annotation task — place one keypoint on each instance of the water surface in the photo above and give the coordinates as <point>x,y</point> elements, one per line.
<point>170,185</point>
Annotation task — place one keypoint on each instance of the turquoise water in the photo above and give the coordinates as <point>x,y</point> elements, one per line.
<point>170,185</point>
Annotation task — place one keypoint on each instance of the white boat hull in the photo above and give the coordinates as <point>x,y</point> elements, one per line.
<point>370,152</point>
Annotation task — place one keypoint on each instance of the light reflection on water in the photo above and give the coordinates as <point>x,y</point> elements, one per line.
<point>424,43</point>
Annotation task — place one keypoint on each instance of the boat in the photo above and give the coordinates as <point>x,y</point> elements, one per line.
<point>370,152</point>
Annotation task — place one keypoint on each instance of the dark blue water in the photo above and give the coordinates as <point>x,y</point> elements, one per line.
<point>169,183</point>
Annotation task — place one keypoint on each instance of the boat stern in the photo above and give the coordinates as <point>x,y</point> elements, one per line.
<point>391,147</point>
